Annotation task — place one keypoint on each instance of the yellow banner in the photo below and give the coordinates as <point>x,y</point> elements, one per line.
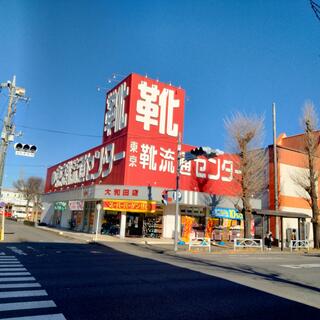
<point>130,205</point>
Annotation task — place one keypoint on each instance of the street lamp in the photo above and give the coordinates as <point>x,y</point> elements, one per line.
<point>191,155</point>
<point>98,207</point>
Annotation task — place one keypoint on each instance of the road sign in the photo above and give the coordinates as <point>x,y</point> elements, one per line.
<point>179,195</point>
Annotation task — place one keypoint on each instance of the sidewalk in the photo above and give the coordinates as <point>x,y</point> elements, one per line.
<point>101,238</point>
<point>166,245</point>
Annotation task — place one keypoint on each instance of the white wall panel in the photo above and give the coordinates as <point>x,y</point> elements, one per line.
<point>288,181</point>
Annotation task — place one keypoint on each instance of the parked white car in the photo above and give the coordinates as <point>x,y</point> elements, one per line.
<point>19,215</point>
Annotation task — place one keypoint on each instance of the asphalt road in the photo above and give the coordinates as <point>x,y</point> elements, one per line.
<point>74,280</point>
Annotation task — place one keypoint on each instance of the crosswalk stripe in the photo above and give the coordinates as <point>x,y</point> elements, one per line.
<point>27,305</point>
<point>16,265</point>
<point>24,293</point>
<point>14,274</point>
<point>10,266</point>
<point>13,269</point>
<point>8,257</point>
<point>58,316</point>
<point>20,285</point>
<point>16,279</point>
<point>17,250</point>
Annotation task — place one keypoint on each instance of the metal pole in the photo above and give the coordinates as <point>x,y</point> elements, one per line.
<point>275,164</point>
<point>98,220</point>
<point>2,225</point>
<point>177,195</point>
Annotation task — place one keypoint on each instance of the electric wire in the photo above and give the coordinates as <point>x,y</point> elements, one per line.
<point>59,131</point>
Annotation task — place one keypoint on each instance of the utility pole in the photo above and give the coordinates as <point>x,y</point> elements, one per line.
<point>8,129</point>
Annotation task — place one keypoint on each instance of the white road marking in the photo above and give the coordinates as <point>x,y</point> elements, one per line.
<point>16,279</point>
<point>17,250</point>
<point>58,316</point>
<point>24,293</point>
<point>300,266</point>
<point>27,305</point>
<point>3,274</point>
<point>15,265</point>
<point>20,285</point>
<point>13,269</point>
<point>8,258</point>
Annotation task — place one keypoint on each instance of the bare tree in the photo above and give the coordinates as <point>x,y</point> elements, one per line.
<point>309,180</point>
<point>245,134</point>
<point>31,189</point>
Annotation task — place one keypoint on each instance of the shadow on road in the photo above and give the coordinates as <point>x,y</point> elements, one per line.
<point>266,275</point>
<point>89,281</point>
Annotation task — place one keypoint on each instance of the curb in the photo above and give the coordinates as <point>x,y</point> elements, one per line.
<point>156,246</point>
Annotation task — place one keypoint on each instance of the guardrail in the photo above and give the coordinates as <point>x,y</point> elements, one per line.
<point>248,243</point>
<point>299,244</point>
<point>200,243</point>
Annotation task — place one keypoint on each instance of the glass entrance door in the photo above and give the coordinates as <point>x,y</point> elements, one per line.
<point>134,224</point>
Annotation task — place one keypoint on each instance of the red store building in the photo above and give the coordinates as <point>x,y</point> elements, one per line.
<point>135,163</point>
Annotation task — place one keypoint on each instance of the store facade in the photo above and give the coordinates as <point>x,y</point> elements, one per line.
<point>136,162</point>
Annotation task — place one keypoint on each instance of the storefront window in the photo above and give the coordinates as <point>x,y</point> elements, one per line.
<point>152,226</point>
<point>88,216</point>
<point>193,223</point>
<point>147,225</point>
<point>57,217</point>
<point>111,223</point>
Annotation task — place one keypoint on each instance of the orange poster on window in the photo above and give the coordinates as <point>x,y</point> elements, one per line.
<point>186,224</point>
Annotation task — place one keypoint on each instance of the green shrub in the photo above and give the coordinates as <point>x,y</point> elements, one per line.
<point>28,223</point>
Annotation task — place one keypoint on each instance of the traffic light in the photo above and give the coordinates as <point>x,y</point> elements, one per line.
<point>197,151</point>
<point>206,152</point>
<point>24,149</point>
<point>164,196</point>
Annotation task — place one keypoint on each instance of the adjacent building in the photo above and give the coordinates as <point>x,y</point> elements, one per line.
<point>293,172</point>
<point>15,203</point>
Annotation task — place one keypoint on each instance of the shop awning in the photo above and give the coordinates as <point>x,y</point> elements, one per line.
<point>278,213</point>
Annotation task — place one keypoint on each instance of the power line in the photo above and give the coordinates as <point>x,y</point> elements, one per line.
<point>60,131</point>
<point>28,165</point>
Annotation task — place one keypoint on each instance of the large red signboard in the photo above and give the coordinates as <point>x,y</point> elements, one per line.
<point>142,122</point>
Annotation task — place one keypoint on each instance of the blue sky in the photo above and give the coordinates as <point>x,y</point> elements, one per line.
<point>229,56</point>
